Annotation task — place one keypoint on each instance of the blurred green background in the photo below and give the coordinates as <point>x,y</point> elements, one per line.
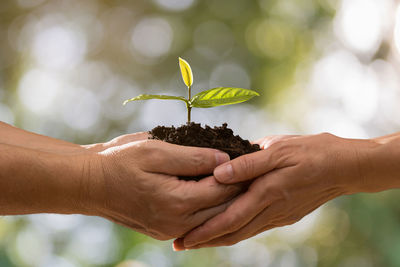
<point>321,65</point>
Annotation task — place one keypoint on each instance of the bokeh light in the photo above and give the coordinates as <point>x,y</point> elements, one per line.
<point>359,24</point>
<point>38,90</point>
<point>152,37</point>
<point>57,47</point>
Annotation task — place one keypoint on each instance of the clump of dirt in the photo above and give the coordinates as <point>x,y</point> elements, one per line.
<point>192,134</point>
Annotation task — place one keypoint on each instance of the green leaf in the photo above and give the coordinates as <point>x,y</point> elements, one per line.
<point>147,97</point>
<point>186,72</point>
<point>221,96</point>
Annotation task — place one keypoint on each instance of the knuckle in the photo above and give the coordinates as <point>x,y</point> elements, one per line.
<point>179,207</point>
<point>227,192</point>
<point>179,202</point>
<point>278,145</point>
<point>147,152</point>
<point>276,193</point>
<point>246,166</point>
<point>233,222</point>
<point>326,135</point>
<point>198,161</point>
<point>280,152</point>
<point>232,190</point>
<point>144,146</point>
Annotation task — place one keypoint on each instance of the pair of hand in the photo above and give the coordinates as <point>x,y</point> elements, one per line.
<point>133,181</point>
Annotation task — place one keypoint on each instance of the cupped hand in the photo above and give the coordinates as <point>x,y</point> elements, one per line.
<point>290,177</point>
<point>138,186</point>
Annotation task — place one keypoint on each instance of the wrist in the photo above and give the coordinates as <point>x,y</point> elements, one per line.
<point>375,164</point>
<point>351,164</point>
<point>67,183</point>
<point>78,187</point>
<point>63,183</point>
<point>383,165</point>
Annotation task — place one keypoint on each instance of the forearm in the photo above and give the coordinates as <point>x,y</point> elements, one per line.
<point>17,137</point>
<point>33,181</point>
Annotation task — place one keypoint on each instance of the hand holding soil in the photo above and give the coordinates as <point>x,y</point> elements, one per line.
<point>291,177</point>
<point>138,187</point>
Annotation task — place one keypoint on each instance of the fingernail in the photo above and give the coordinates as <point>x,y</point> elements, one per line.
<point>221,157</point>
<point>224,172</point>
<point>176,249</point>
<point>177,245</point>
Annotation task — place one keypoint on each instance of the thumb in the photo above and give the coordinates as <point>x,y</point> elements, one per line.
<point>162,157</point>
<point>246,167</point>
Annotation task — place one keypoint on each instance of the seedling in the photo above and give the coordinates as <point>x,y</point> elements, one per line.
<point>210,98</point>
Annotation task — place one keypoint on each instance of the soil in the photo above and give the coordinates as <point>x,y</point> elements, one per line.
<point>193,134</point>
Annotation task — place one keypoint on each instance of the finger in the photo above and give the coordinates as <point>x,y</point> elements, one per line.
<point>229,240</point>
<point>247,167</point>
<point>209,193</point>
<point>259,224</point>
<point>242,211</point>
<point>200,217</point>
<point>271,217</point>
<point>162,157</point>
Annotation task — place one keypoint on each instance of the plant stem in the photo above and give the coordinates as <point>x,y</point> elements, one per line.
<point>189,108</point>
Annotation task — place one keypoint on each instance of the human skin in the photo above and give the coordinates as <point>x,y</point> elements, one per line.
<point>291,177</point>
<point>130,180</point>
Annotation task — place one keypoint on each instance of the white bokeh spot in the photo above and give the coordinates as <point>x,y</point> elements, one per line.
<point>359,25</point>
<point>152,37</point>
<point>38,90</point>
<point>59,47</point>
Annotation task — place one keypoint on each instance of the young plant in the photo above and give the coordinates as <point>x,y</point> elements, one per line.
<point>210,98</point>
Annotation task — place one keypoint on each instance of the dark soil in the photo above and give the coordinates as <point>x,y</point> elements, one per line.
<point>193,134</point>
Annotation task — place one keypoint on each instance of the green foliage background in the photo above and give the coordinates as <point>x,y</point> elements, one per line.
<point>66,67</point>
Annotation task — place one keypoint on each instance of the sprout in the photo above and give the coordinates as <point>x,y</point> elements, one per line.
<point>210,98</point>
